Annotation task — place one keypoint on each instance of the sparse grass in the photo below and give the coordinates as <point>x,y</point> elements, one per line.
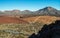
<point>19,30</point>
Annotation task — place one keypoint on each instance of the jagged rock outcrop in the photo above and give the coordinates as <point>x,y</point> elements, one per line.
<point>48,31</point>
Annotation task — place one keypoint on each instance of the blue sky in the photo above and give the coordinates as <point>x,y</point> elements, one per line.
<point>28,4</point>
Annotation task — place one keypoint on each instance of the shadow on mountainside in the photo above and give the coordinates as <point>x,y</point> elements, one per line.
<point>48,31</point>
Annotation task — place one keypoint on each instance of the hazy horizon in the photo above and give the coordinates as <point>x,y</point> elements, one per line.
<point>31,5</point>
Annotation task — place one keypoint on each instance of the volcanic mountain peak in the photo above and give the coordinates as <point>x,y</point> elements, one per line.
<point>49,8</point>
<point>48,11</point>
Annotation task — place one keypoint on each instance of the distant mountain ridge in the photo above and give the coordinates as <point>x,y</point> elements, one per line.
<point>45,11</point>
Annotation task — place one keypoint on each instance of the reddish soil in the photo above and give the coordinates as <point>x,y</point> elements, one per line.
<point>5,19</point>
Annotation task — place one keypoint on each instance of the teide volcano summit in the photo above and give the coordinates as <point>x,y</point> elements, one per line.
<point>48,11</point>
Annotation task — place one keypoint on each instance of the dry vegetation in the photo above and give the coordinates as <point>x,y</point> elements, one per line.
<point>18,30</point>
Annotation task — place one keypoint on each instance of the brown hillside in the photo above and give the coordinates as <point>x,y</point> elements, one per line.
<point>5,19</point>
<point>42,19</point>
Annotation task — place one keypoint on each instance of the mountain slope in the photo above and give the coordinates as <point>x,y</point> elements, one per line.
<point>48,11</point>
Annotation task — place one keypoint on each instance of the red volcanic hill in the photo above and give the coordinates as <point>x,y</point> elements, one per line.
<point>5,19</point>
